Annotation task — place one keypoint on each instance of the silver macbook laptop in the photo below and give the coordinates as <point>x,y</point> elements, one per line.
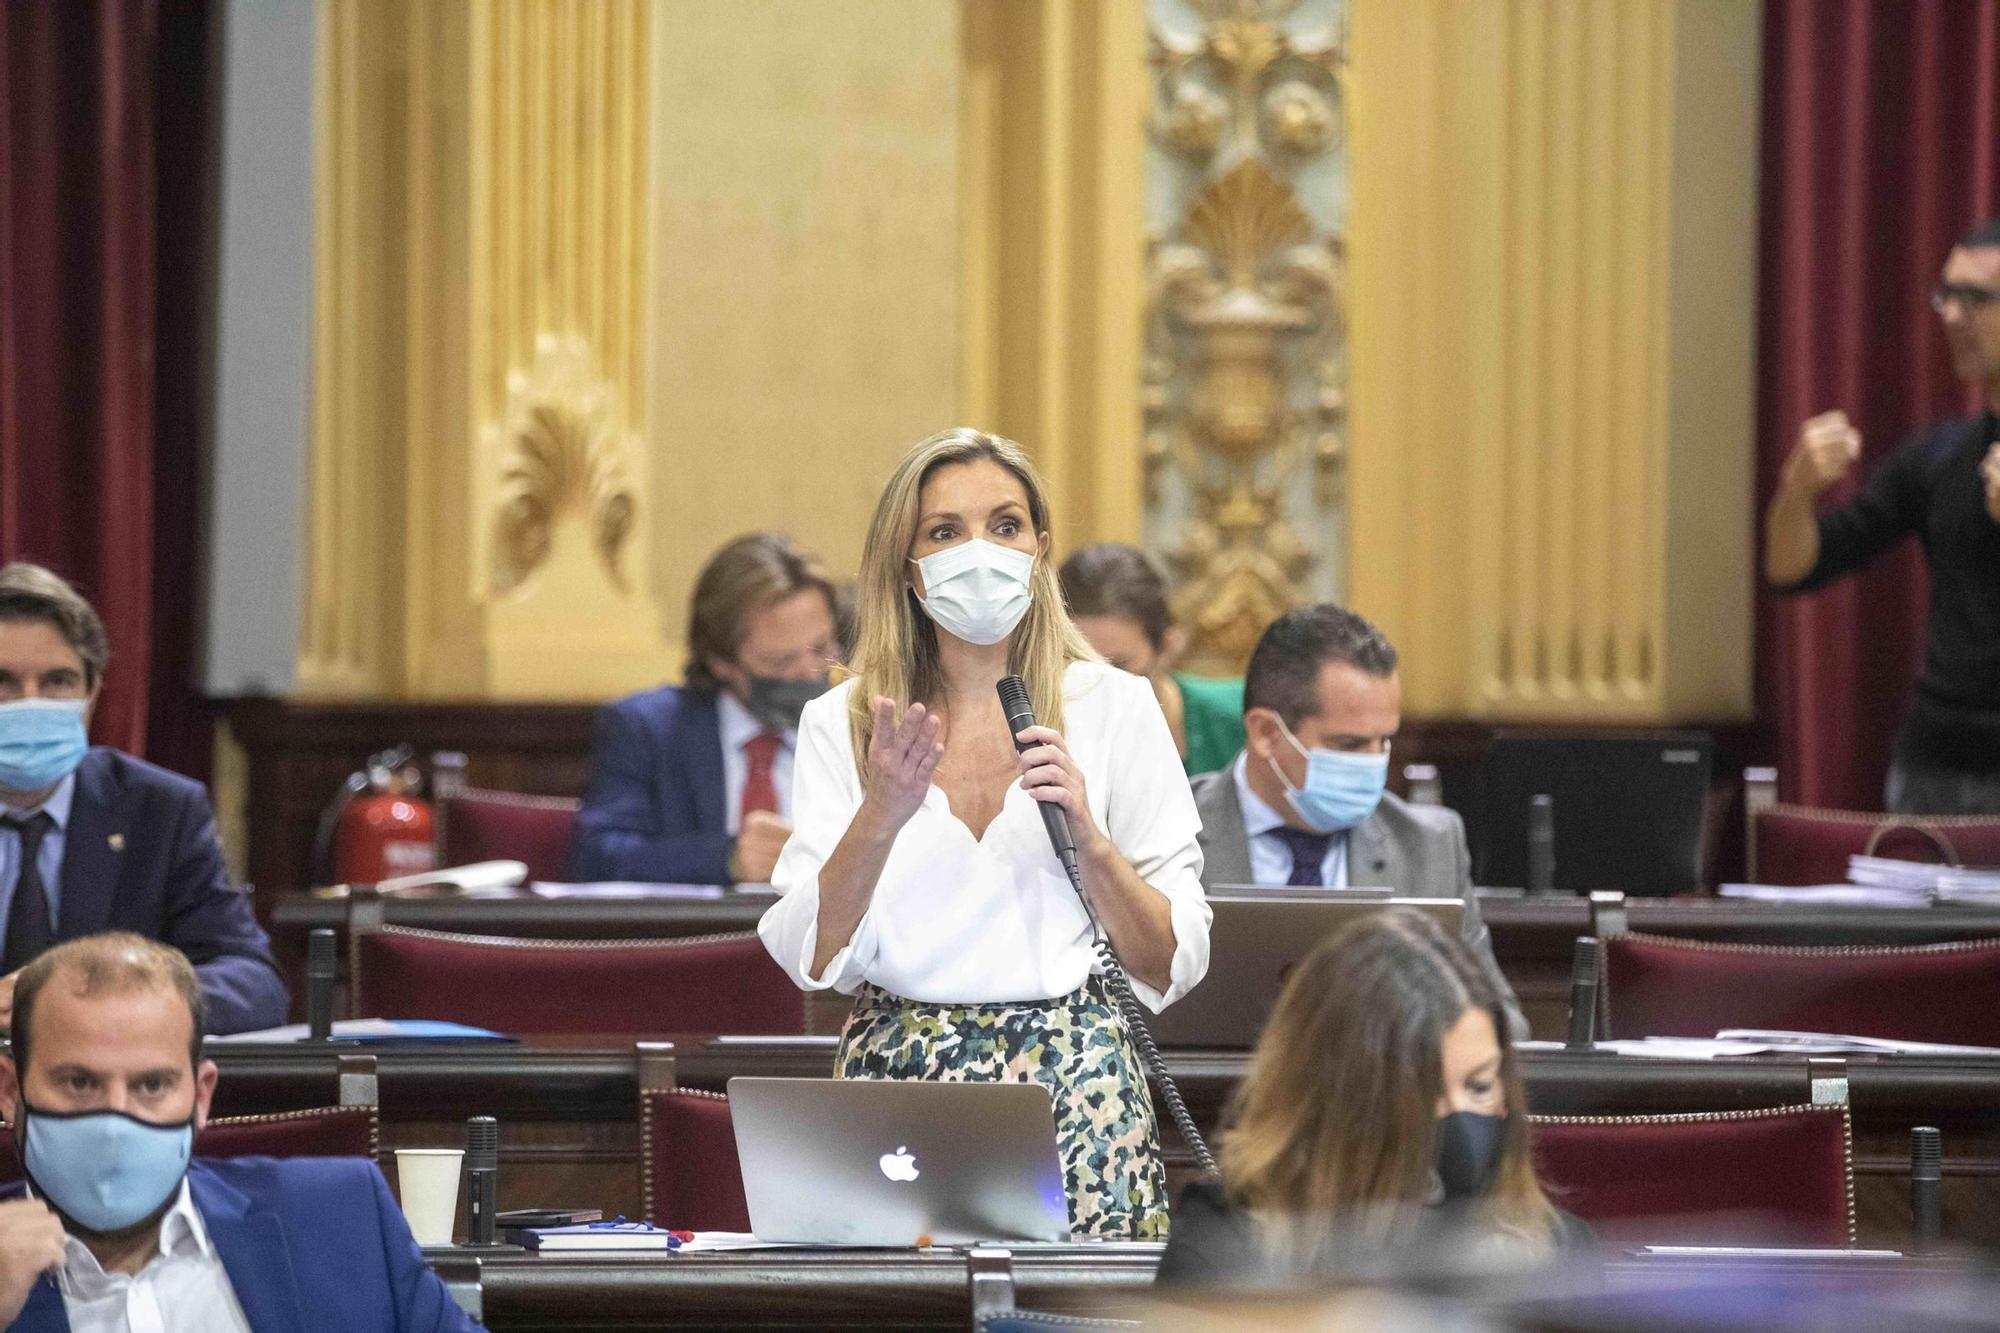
<point>898,1162</point>
<point>1258,936</point>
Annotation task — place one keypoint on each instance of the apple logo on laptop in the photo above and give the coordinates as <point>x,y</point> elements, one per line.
<point>899,1165</point>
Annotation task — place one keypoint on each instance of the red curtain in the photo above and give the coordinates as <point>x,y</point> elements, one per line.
<point>1881,144</point>
<point>93,364</point>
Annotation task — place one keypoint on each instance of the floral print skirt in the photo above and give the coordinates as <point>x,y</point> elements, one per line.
<point>1074,1046</point>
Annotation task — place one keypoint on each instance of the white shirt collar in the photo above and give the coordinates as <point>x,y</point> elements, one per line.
<point>1258,816</point>
<point>56,806</point>
<point>181,1233</point>
<point>739,726</point>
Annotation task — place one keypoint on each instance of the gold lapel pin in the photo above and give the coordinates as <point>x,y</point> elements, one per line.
<point>117,841</point>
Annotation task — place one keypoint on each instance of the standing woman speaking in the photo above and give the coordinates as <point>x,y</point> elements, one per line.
<point>919,876</point>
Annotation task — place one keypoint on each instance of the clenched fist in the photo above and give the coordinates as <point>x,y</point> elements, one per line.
<point>762,838</point>
<point>1827,449</point>
<point>31,1244</point>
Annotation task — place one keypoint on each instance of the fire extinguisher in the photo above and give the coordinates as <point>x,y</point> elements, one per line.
<point>378,827</point>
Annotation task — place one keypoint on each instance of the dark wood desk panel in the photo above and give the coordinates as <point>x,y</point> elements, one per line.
<point>568,1135</point>
<point>928,1289</point>
<point>1532,937</point>
<point>932,1289</point>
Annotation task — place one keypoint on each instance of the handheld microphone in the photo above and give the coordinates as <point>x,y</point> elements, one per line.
<point>1926,1174</point>
<point>1542,844</point>
<point>482,1173</point>
<point>1583,995</point>
<point>322,972</point>
<point>1020,716</point>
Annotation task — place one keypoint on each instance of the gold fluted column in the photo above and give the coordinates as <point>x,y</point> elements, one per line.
<point>1553,288</point>
<point>480,395</point>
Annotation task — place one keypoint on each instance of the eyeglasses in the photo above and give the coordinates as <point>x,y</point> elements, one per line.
<point>1970,299</point>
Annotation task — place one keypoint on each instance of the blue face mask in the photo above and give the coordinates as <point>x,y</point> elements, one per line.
<point>41,742</point>
<point>104,1170</point>
<point>1341,789</point>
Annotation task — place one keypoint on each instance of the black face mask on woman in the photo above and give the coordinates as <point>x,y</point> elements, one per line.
<point>1468,1153</point>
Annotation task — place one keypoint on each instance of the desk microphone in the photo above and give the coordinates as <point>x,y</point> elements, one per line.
<point>1583,994</point>
<point>1020,716</point>
<point>1926,1173</point>
<point>1542,844</point>
<point>482,1172</point>
<point>322,973</point>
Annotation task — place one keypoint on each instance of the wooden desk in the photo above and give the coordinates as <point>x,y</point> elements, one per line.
<point>569,1137</point>
<point>1532,937</point>
<point>935,1289</point>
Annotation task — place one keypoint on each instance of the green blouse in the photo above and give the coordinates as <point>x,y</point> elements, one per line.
<point>1212,714</point>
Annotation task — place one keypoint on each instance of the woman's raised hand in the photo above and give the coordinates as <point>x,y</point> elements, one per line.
<point>902,755</point>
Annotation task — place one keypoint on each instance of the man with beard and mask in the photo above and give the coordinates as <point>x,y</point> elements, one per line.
<point>94,839</point>
<point>1305,804</point>
<point>692,784</point>
<point>1943,486</point>
<point>118,1228</point>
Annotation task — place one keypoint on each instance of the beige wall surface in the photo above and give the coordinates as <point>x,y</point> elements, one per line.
<point>806,270</point>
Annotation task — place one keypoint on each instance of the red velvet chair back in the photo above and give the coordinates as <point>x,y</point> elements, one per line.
<point>1655,986</point>
<point>322,1131</point>
<point>1784,1175</point>
<point>689,1175</point>
<point>530,987</point>
<point>482,825</point>
<point>1803,844</point>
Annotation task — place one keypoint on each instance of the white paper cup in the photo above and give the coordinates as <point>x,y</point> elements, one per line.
<point>427,1181</point>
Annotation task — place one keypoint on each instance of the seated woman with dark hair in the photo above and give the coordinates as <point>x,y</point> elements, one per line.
<point>1117,596</point>
<point>1381,1112</point>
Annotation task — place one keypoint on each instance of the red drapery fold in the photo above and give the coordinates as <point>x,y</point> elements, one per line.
<point>1881,145</point>
<point>77,318</point>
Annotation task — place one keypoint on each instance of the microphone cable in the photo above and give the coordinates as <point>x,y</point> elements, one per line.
<point>1014,702</point>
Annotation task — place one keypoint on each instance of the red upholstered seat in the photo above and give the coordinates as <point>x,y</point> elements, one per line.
<point>531,987</point>
<point>322,1131</point>
<point>481,825</point>
<point>689,1175</point>
<point>1782,1175</point>
<point>1803,844</point>
<point>1660,987</point>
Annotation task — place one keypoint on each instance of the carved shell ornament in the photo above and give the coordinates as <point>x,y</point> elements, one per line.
<point>561,450</point>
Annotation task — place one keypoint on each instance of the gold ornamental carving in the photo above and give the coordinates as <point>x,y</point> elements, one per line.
<point>1243,380</point>
<point>562,450</point>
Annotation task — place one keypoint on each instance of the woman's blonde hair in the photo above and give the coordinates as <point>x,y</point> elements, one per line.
<point>896,647</point>
<point>1333,1133</point>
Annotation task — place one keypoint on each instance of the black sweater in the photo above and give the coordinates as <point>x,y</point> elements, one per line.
<point>1211,1241</point>
<point>1931,487</point>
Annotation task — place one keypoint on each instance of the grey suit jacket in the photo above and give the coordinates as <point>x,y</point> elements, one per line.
<point>1418,851</point>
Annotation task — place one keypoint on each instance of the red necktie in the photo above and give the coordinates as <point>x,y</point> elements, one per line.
<point>759,791</point>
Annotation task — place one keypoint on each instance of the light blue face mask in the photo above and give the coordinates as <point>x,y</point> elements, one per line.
<point>105,1170</point>
<point>1341,789</point>
<point>41,742</point>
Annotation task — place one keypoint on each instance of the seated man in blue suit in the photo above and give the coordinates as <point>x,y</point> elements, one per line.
<point>117,1228</point>
<point>693,784</point>
<point>100,840</point>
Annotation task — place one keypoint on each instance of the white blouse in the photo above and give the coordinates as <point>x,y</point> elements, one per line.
<point>959,920</point>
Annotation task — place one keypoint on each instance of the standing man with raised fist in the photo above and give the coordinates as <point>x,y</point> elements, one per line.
<point>1943,486</point>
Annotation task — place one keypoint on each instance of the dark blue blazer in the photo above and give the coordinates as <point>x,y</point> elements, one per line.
<point>312,1244</point>
<point>653,811</point>
<point>140,854</point>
